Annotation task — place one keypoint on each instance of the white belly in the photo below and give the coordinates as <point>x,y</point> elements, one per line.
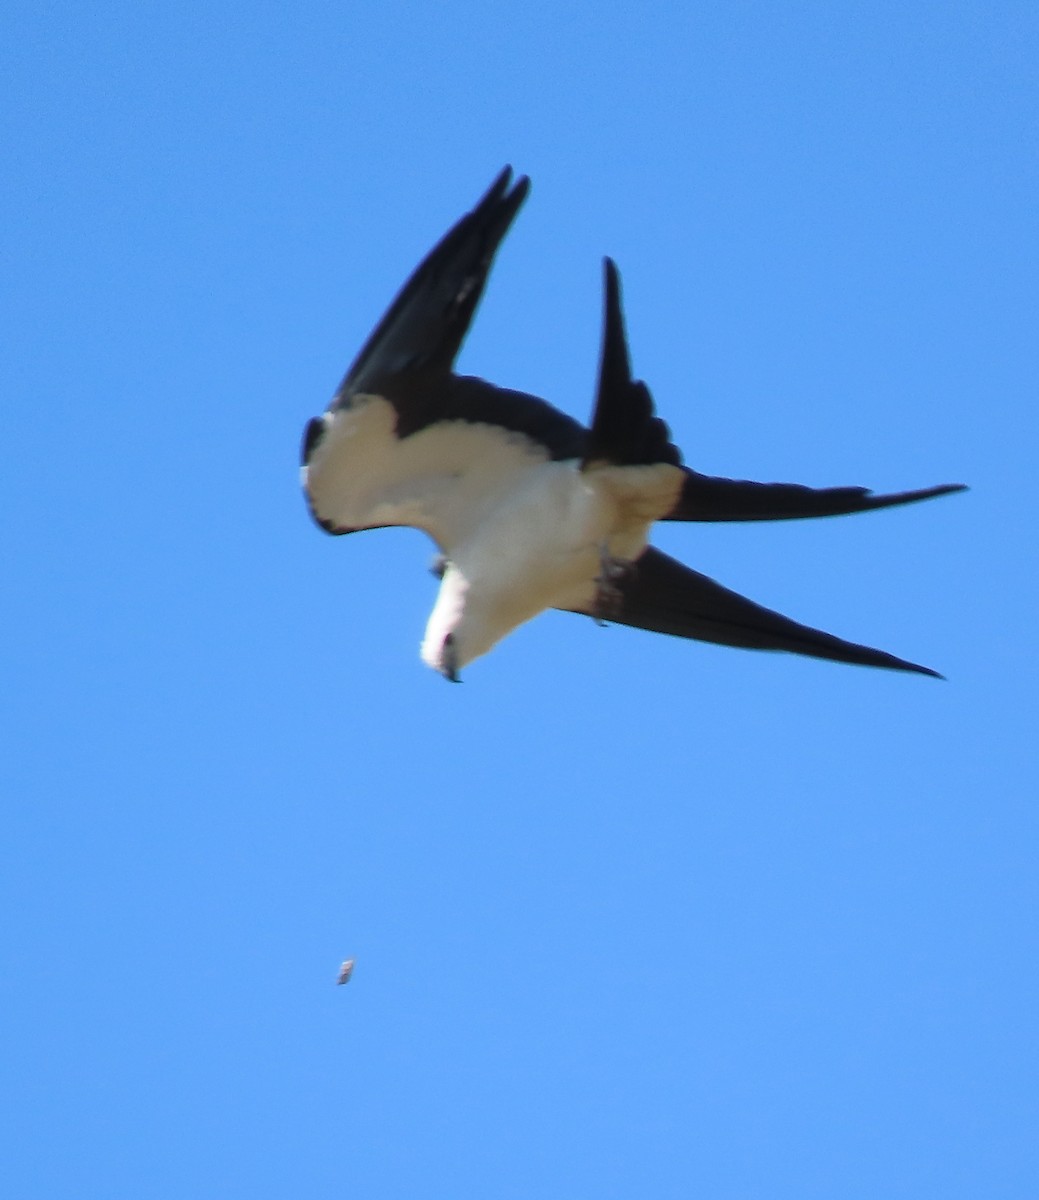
<point>542,547</point>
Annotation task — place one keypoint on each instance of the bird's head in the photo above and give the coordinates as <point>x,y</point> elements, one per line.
<point>460,627</point>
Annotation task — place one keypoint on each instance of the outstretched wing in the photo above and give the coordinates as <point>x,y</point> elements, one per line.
<point>664,596</point>
<point>407,442</point>
<point>423,329</point>
<point>430,451</point>
<point>425,325</point>
<point>625,428</point>
<point>626,431</point>
<point>711,498</point>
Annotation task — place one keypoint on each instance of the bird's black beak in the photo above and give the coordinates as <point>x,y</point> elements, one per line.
<point>449,660</point>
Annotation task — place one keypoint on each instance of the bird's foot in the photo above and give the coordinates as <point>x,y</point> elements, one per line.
<point>608,594</point>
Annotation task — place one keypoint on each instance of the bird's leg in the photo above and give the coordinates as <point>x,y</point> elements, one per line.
<point>608,595</point>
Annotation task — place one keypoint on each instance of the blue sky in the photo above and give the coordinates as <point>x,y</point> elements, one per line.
<point>632,916</point>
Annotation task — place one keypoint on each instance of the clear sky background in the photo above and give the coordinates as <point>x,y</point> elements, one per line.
<point>633,916</point>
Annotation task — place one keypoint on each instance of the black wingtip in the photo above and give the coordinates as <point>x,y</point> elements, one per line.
<point>615,367</point>
<point>919,670</point>
<point>499,191</point>
<point>427,321</point>
<point>625,430</point>
<point>664,596</point>
<point>612,308</point>
<point>501,182</point>
<point>712,498</point>
<point>912,497</point>
<point>496,191</point>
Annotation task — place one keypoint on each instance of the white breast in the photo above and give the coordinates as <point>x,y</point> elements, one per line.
<point>540,546</point>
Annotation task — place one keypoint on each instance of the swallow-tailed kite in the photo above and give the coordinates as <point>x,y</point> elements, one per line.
<point>530,509</point>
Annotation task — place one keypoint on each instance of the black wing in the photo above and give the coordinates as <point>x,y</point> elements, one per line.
<point>664,596</point>
<point>625,430</point>
<point>709,498</point>
<point>425,324</point>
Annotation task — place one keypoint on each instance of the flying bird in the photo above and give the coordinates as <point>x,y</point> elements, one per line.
<point>531,510</point>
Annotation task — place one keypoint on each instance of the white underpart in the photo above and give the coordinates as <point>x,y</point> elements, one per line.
<point>521,533</point>
<point>442,479</point>
<point>541,547</point>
